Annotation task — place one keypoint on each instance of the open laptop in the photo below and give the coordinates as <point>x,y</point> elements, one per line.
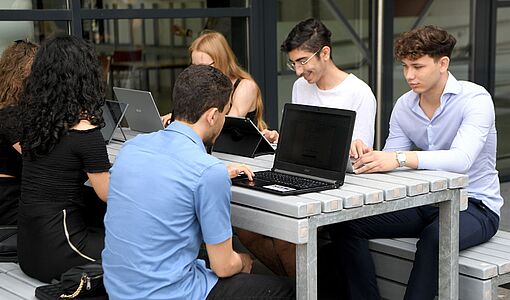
<point>142,114</point>
<point>312,153</point>
<point>113,112</point>
<point>240,136</point>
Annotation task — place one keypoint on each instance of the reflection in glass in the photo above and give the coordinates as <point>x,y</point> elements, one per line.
<point>502,88</point>
<point>168,4</point>
<point>350,51</point>
<point>30,4</point>
<point>452,15</point>
<point>148,54</point>
<point>35,31</point>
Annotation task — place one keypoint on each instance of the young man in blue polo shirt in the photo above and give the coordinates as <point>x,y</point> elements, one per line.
<point>167,195</point>
<point>453,124</point>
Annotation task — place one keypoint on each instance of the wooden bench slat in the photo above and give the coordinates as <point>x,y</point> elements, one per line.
<point>371,195</point>
<point>6,295</point>
<point>392,191</point>
<point>470,264</point>
<point>18,274</point>
<point>414,186</point>
<point>6,267</point>
<point>436,183</point>
<point>328,203</point>
<point>351,199</point>
<point>17,287</point>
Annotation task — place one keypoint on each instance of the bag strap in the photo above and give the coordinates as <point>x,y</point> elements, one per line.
<point>83,279</point>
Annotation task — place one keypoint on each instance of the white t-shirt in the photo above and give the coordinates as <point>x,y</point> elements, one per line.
<point>352,94</point>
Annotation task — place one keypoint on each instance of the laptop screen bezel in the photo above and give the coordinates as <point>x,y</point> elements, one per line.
<point>337,176</point>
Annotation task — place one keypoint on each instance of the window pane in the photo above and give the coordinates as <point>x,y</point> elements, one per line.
<point>452,15</point>
<point>34,31</point>
<point>148,54</point>
<point>137,4</point>
<point>29,4</point>
<point>502,88</point>
<point>349,51</point>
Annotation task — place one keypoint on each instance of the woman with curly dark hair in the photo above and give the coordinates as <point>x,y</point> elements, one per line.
<point>15,65</point>
<point>62,147</point>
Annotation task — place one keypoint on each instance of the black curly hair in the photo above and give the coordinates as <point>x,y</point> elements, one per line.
<point>64,87</point>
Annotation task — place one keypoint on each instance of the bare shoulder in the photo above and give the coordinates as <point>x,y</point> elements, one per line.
<point>248,85</point>
<point>83,125</point>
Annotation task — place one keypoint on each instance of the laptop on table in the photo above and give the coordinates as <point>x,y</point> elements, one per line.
<point>312,153</point>
<point>113,112</point>
<point>240,136</point>
<point>142,114</point>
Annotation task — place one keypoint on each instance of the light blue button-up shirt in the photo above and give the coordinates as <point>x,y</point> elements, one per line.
<point>461,136</point>
<point>166,196</point>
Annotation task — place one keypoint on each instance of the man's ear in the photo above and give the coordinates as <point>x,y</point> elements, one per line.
<point>444,63</point>
<point>326,52</point>
<point>211,115</point>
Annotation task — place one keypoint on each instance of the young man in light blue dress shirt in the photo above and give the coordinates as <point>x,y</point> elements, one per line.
<point>453,124</point>
<point>167,196</point>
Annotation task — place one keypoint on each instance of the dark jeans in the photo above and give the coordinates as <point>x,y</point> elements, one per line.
<point>254,287</point>
<point>477,225</point>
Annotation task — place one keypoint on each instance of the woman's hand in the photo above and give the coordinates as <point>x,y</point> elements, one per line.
<point>271,135</point>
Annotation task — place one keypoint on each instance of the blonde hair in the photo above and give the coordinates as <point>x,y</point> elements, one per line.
<point>15,66</point>
<point>216,46</point>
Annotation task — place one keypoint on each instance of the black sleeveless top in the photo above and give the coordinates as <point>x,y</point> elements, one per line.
<point>252,115</point>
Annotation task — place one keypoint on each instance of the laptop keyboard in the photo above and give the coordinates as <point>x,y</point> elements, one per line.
<point>289,180</point>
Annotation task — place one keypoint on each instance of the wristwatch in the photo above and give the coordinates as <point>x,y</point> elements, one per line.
<point>401,158</point>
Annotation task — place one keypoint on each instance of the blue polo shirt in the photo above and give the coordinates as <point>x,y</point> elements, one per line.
<point>166,196</point>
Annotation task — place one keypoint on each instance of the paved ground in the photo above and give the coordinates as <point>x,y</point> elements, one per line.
<point>505,225</point>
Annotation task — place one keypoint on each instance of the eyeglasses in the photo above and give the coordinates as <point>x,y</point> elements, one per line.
<point>292,65</point>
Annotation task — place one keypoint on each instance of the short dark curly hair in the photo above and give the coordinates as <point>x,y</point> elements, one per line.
<point>428,40</point>
<point>197,89</point>
<point>64,87</point>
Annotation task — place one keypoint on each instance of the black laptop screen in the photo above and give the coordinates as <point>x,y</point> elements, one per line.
<point>314,138</point>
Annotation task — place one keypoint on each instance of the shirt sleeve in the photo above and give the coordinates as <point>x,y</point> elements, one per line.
<point>212,204</point>
<point>365,118</point>
<point>91,149</point>
<point>478,119</point>
<point>397,139</point>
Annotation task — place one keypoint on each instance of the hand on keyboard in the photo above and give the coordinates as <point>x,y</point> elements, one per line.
<point>236,169</point>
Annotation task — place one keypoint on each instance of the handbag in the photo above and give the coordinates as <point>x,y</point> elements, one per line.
<point>83,281</point>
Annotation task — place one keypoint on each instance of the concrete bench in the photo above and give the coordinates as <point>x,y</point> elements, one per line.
<point>481,268</point>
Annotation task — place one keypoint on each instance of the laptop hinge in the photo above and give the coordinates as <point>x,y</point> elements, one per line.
<point>330,181</point>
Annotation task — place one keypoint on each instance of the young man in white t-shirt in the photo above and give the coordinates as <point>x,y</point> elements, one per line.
<point>322,83</point>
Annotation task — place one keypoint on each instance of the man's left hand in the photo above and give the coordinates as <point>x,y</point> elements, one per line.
<point>235,170</point>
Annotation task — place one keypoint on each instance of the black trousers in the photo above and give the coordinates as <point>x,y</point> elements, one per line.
<point>10,193</point>
<point>477,225</point>
<point>254,287</point>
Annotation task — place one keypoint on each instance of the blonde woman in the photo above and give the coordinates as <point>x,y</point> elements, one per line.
<point>211,48</point>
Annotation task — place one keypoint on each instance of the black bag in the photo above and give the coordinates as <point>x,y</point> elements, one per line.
<point>83,281</point>
<point>8,243</point>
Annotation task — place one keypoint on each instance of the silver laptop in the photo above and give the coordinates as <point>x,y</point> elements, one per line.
<point>113,112</point>
<point>142,114</point>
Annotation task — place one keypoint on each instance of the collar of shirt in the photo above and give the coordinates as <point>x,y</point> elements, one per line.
<point>186,131</point>
<point>452,87</point>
